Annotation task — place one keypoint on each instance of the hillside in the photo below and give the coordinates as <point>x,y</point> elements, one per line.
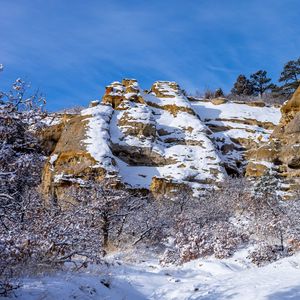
<point>150,184</point>
<point>233,278</point>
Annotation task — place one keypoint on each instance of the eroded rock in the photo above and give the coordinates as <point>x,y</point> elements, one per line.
<point>156,140</point>
<point>283,148</point>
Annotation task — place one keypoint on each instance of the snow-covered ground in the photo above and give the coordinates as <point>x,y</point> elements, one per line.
<point>234,278</point>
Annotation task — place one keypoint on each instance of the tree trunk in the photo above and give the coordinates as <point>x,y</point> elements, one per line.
<point>105,229</point>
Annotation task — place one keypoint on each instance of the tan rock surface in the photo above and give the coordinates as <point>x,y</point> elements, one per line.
<point>161,141</point>
<point>283,148</point>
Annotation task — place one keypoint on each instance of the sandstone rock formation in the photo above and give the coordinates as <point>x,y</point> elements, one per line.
<point>237,128</point>
<point>158,140</point>
<point>282,152</point>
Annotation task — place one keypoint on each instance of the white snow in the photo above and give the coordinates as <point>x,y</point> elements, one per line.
<point>53,158</point>
<point>52,119</point>
<point>67,177</point>
<point>98,135</point>
<point>230,110</point>
<point>235,278</point>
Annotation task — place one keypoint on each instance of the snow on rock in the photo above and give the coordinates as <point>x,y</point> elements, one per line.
<point>167,93</point>
<point>159,139</point>
<point>52,119</point>
<point>282,149</point>
<point>53,158</point>
<point>237,111</point>
<point>98,137</point>
<point>237,128</point>
<point>154,146</point>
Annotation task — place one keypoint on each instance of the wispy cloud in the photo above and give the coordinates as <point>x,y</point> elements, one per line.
<point>72,50</point>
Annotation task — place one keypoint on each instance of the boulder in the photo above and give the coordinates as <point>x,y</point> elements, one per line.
<point>94,103</point>
<point>290,108</point>
<point>218,101</point>
<point>256,103</point>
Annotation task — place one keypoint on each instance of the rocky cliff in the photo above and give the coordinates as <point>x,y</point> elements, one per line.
<point>157,140</point>
<point>281,154</point>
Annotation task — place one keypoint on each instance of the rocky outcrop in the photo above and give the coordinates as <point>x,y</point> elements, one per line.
<point>168,96</point>
<point>116,93</point>
<point>69,162</point>
<point>237,128</point>
<point>290,108</point>
<point>158,140</point>
<point>218,101</point>
<point>282,151</point>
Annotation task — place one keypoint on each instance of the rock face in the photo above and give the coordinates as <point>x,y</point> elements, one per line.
<point>158,140</point>
<point>236,128</point>
<point>281,153</point>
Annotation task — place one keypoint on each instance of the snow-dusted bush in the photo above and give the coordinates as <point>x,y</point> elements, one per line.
<point>21,161</point>
<point>272,222</point>
<point>272,219</point>
<point>114,207</point>
<point>220,239</point>
<point>205,226</point>
<point>143,221</point>
<point>20,155</point>
<point>43,236</point>
<point>48,237</point>
<point>265,253</point>
<point>241,212</point>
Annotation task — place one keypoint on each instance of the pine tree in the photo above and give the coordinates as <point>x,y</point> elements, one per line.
<point>260,82</point>
<point>242,86</point>
<point>290,76</point>
<point>219,93</point>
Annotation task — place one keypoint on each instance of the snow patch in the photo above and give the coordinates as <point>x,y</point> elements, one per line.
<point>98,137</point>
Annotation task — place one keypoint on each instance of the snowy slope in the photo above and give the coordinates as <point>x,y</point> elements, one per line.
<point>233,278</point>
<point>166,93</point>
<point>98,136</point>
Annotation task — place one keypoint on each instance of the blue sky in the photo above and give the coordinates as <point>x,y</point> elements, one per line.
<point>71,49</point>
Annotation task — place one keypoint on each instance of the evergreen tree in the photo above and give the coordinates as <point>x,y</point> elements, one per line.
<point>260,82</point>
<point>219,93</point>
<point>290,76</point>
<point>242,86</point>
